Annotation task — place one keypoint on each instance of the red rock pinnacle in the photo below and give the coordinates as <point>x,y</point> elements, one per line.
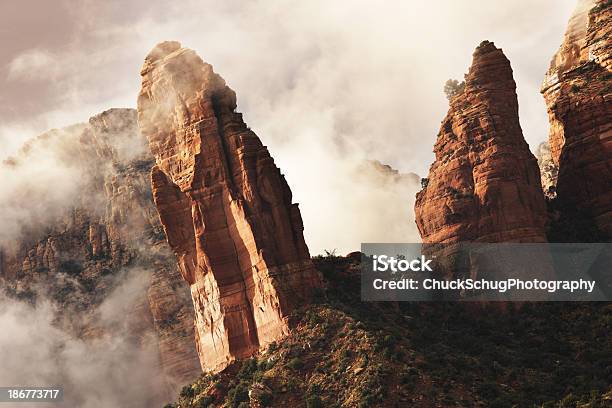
<point>484,184</point>
<point>225,207</point>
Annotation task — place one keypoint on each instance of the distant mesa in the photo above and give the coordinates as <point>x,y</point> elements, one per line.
<point>387,173</point>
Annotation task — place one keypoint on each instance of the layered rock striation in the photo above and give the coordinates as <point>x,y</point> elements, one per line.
<point>578,90</point>
<point>226,209</point>
<point>484,184</point>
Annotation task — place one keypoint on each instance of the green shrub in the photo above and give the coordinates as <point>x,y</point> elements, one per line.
<point>569,401</point>
<point>63,293</point>
<point>248,368</point>
<point>601,6</point>
<point>295,363</point>
<point>292,385</point>
<point>238,394</point>
<point>501,402</point>
<point>452,87</point>
<point>187,392</point>
<point>313,401</point>
<point>27,295</point>
<point>89,285</point>
<point>367,400</point>
<point>71,267</point>
<point>314,318</point>
<point>265,399</point>
<point>206,401</point>
<point>409,375</point>
<point>489,390</point>
<point>265,365</point>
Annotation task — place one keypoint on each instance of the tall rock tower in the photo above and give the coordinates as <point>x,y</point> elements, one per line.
<point>578,94</point>
<point>225,207</point>
<point>484,184</point>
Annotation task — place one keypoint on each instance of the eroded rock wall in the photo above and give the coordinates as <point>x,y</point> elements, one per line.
<point>226,209</point>
<point>577,90</point>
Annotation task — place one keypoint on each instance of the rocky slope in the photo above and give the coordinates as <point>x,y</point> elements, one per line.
<point>225,207</point>
<point>577,90</point>
<point>347,353</point>
<point>81,248</point>
<point>484,184</point>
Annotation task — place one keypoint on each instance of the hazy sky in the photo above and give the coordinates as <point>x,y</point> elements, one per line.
<point>325,84</point>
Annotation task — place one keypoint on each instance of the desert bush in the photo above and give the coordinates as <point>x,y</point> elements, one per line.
<point>187,392</point>
<point>71,267</point>
<point>452,87</point>
<point>313,401</point>
<point>238,394</point>
<point>295,363</point>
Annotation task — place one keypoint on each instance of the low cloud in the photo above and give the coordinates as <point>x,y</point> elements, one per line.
<point>344,82</point>
<point>34,64</point>
<point>39,185</point>
<point>64,169</point>
<point>113,370</point>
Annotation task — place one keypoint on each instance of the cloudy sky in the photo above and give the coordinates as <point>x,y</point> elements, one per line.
<point>325,84</point>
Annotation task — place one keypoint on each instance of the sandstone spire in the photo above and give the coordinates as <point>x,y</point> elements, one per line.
<point>225,207</point>
<point>577,93</point>
<point>484,184</point>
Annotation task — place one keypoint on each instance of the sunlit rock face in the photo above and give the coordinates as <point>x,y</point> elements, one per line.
<point>225,206</point>
<point>577,90</point>
<point>549,170</point>
<point>484,184</point>
<point>85,243</point>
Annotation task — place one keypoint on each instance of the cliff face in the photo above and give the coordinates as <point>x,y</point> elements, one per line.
<point>577,90</point>
<point>98,238</point>
<point>225,207</point>
<point>484,184</point>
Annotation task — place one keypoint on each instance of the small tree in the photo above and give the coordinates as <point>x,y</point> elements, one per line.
<point>452,87</point>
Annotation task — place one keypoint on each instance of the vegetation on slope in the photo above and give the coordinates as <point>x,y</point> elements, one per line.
<point>347,353</point>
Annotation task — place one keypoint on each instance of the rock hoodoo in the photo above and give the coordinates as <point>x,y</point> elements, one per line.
<point>484,184</point>
<point>577,90</point>
<point>225,206</point>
